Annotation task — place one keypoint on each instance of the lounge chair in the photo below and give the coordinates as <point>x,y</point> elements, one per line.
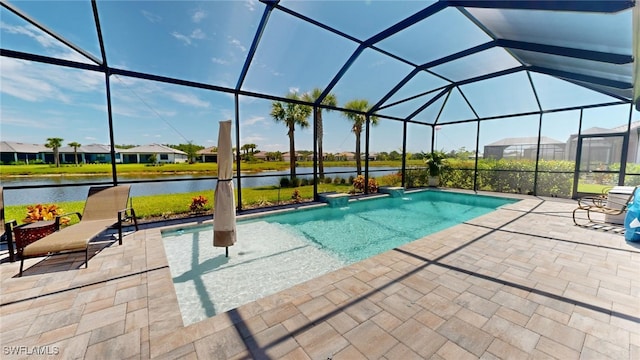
<point>106,207</point>
<point>605,204</point>
<point>6,227</point>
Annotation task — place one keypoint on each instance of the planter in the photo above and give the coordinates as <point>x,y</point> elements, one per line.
<point>434,181</point>
<point>29,233</point>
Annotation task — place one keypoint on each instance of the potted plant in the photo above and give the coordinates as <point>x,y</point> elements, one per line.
<point>436,164</point>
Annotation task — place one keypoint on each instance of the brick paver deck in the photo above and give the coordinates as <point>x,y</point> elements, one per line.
<point>521,282</point>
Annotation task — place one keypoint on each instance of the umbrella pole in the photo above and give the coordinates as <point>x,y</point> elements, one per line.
<point>226,250</point>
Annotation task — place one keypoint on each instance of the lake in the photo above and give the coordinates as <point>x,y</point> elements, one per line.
<point>171,184</point>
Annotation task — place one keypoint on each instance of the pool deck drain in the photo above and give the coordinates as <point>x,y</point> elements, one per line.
<point>522,281</point>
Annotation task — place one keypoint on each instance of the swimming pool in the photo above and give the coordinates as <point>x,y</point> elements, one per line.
<point>275,252</point>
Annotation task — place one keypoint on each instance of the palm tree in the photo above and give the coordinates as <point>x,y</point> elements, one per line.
<point>291,114</point>
<point>329,100</point>
<point>54,143</point>
<point>358,120</point>
<point>75,145</point>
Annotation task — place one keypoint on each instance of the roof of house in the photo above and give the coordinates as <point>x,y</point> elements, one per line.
<point>153,148</point>
<point>90,148</point>
<point>18,147</point>
<point>525,141</point>
<point>208,151</point>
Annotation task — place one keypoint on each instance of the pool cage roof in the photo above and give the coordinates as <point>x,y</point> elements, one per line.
<point>433,56</point>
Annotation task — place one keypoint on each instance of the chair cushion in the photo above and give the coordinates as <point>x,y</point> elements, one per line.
<point>72,238</point>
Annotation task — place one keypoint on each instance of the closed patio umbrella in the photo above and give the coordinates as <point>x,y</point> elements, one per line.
<point>224,215</point>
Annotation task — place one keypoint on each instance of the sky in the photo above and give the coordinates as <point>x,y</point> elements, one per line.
<point>208,41</point>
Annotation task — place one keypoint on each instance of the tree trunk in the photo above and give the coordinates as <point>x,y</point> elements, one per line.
<point>292,151</point>
<point>56,156</point>
<point>358,163</point>
<point>320,151</point>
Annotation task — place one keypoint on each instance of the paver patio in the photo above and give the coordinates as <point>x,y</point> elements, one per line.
<point>521,282</point>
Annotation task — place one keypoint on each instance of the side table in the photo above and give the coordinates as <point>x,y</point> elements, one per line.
<point>29,233</point>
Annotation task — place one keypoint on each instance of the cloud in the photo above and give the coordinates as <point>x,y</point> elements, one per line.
<point>183,38</point>
<point>27,123</point>
<point>90,138</point>
<point>198,15</point>
<point>33,32</point>
<point>251,5</point>
<point>39,82</point>
<point>237,44</point>
<point>252,139</point>
<point>252,121</point>
<point>273,147</point>
<point>219,61</point>
<point>151,16</point>
<point>188,99</point>
<point>196,34</point>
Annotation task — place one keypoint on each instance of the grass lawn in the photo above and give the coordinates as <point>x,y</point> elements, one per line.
<point>593,188</point>
<point>152,206</point>
<point>197,168</point>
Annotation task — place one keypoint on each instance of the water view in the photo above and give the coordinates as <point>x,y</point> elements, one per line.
<point>182,184</point>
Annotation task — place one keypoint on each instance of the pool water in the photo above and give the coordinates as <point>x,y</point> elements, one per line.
<point>275,252</point>
<point>366,228</point>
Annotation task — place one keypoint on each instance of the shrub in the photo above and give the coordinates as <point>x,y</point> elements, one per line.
<point>296,197</point>
<point>198,203</point>
<point>295,182</point>
<point>45,212</point>
<point>304,182</point>
<point>336,180</point>
<point>327,180</point>
<point>391,179</point>
<point>285,182</point>
<point>373,185</point>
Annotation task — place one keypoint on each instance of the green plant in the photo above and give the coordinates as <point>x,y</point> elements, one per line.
<point>296,197</point>
<point>358,184</point>
<point>285,182</point>
<point>45,212</point>
<point>373,186</point>
<point>198,203</point>
<point>436,162</point>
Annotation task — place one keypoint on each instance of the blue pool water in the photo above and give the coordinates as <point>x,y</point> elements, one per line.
<point>276,252</point>
<point>369,227</point>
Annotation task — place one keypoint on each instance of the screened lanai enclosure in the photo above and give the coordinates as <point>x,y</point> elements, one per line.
<point>531,97</point>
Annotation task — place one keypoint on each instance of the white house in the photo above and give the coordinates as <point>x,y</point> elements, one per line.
<point>162,153</point>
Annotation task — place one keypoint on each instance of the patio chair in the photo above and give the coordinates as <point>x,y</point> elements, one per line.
<point>603,204</point>
<point>106,207</point>
<point>6,228</point>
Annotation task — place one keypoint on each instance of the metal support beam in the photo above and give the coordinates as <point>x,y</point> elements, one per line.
<point>411,20</point>
<point>238,167</point>
<point>603,6</point>
<point>50,32</point>
<point>49,60</point>
<point>433,99</point>
<point>404,154</point>
<point>367,135</point>
<point>568,52</point>
<point>256,41</point>
<point>581,77</point>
